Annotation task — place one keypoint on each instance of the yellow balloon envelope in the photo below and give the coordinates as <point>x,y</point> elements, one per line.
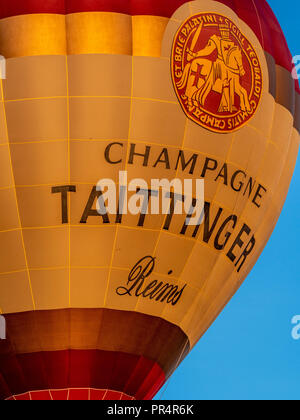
<point>106,306</point>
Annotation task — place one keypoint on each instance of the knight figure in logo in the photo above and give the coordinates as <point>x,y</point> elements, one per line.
<point>203,75</point>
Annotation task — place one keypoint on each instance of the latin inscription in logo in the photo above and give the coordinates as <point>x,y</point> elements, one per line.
<point>216,73</point>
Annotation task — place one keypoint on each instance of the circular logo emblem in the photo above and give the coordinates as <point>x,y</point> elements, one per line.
<point>216,73</point>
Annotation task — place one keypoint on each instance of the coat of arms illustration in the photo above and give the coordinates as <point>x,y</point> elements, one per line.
<point>216,73</point>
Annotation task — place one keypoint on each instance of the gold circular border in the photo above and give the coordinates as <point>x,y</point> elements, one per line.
<point>205,111</point>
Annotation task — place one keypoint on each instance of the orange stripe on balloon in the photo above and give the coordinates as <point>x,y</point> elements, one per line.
<point>29,35</point>
<point>81,33</point>
<point>147,35</point>
<point>99,33</point>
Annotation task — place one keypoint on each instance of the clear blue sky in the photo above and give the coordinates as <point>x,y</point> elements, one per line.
<point>248,353</point>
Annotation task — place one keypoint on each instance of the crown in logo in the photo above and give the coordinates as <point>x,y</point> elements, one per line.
<point>225,30</point>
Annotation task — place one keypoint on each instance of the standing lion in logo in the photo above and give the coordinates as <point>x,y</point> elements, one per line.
<point>222,75</point>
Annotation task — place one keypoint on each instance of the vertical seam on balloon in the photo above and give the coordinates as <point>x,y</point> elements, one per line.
<point>176,174</point>
<point>161,230</point>
<point>69,176</point>
<point>182,144</point>
<point>163,223</point>
<point>127,154</point>
<point>133,373</point>
<point>69,207</point>
<point>193,309</point>
<point>69,158</point>
<point>232,273</point>
<point>212,201</point>
<point>216,312</point>
<point>269,134</point>
<point>287,148</point>
<point>16,198</point>
<point>175,367</point>
<point>260,27</point>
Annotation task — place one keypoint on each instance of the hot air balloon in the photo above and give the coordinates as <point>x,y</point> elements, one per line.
<point>103,306</point>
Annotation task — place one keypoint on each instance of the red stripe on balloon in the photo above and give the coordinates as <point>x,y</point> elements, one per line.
<point>125,373</point>
<point>163,8</point>
<point>23,7</point>
<point>117,6</point>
